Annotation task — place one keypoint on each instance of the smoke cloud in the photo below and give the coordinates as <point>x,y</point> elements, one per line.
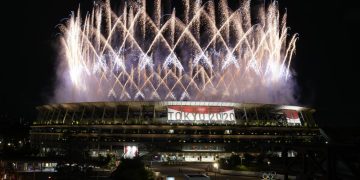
<point>210,53</point>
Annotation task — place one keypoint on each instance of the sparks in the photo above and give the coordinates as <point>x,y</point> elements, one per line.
<point>132,55</point>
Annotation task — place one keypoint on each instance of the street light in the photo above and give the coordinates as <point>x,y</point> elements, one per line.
<point>269,163</point>
<point>216,166</point>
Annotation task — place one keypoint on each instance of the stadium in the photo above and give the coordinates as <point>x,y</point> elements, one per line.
<point>173,87</point>
<point>189,131</point>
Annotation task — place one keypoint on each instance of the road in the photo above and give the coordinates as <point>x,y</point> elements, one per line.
<point>178,171</point>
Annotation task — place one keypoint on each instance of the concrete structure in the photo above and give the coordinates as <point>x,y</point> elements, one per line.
<point>173,130</point>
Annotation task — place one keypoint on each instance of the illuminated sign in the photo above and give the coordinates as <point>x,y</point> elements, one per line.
<point>200,113</point>
<point>292,117</point>
<point>130,152</point>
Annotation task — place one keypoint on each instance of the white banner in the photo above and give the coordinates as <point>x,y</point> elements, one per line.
<point>292,117</point>
<point>200,113</point>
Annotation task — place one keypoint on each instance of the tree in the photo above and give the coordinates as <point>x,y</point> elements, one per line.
<point>131,169</point>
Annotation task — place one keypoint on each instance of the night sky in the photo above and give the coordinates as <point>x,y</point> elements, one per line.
<point>325,60</point>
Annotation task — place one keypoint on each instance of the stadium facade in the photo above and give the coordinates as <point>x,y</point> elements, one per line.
<point>173,130</point>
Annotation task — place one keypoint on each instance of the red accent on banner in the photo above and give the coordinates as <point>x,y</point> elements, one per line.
<point>291,114</point>
<point>201,109</point>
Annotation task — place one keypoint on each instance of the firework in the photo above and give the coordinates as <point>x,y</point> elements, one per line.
<point>210,53</point>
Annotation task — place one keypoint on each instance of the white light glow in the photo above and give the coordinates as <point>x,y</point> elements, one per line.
<point>132,55</point>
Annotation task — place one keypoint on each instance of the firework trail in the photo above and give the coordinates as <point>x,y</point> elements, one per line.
<point>210,53</point>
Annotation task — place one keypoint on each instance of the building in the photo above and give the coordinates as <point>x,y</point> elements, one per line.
<point>173,130</point>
